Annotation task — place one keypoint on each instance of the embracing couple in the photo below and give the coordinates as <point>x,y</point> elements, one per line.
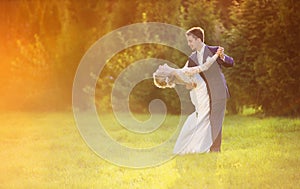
<point>202,74</point>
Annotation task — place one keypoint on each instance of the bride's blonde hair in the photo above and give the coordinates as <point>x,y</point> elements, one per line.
<point>163,78</point>
<point>161,81</point>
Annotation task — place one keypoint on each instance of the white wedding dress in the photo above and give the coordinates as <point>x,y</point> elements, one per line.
<point>195,136</point>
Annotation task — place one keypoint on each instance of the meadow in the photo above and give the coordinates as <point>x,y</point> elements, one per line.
<point>46,150</point>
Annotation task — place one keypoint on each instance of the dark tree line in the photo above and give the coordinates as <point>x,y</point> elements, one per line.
<point>42,43</point>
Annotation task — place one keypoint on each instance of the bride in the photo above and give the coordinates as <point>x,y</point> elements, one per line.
<point>195,135</point>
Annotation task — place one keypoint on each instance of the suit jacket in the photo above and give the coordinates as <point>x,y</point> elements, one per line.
<point>214,78</point>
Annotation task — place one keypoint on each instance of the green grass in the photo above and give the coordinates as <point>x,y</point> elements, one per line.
<point>45,150</point>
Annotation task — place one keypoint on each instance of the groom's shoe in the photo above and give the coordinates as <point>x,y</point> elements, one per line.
<point>215,150</point>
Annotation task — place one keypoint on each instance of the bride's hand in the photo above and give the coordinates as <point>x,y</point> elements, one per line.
<point>220,52</point>
<point>190,86</point>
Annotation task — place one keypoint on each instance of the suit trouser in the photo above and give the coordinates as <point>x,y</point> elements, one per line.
<point>216,119</point>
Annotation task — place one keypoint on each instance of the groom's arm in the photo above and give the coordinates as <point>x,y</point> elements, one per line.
<point>226,62</point>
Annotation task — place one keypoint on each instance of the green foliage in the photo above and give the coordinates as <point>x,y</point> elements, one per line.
<point>206,15</point>
<point>159,11</point>
<point>145,91</point>
<point>261,36</point>
<point>263,46</point>
<point>30,67</point>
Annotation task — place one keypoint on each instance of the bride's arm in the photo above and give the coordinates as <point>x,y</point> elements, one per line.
<point>177,76</point>
<point>205,66</point>
<point>201,68</point>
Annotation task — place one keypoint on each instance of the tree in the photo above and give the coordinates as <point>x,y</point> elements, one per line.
<point>260,40</point>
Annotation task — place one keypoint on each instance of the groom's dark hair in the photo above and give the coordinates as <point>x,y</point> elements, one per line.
<point>196,32</point>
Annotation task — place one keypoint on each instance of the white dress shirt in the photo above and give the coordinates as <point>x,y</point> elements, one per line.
<point>200,54</point>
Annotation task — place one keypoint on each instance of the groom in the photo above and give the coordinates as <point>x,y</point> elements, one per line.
<point>214,79</point>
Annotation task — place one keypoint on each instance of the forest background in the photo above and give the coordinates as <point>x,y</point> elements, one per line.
<point>42,43</point>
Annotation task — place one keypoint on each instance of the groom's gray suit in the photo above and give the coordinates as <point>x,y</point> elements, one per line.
<point>217,90</point>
